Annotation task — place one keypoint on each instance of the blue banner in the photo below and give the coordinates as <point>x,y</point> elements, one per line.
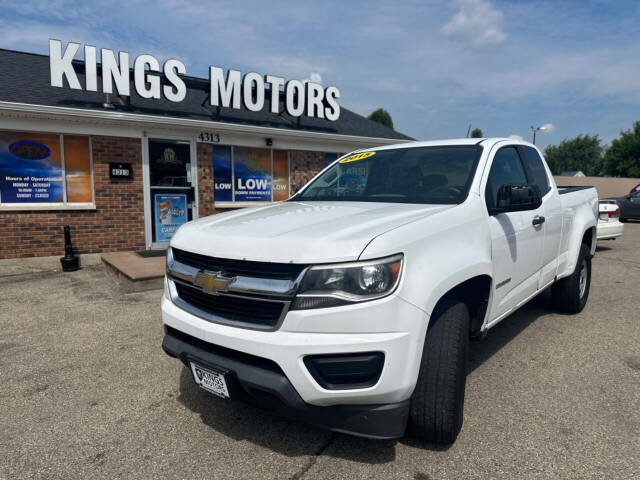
<point>252,173</point>
<point>329,158</point>
<point>30,170</point>
<point>222,181</point>
<point>170,212</point>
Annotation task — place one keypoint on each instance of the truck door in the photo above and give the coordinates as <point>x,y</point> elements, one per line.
<point>516,237</point>
<point>552,226</point>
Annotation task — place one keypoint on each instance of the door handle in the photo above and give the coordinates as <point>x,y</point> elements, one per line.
<point>538,220</point>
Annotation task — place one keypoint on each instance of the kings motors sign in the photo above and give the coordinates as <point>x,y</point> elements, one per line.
<point>232,89</point>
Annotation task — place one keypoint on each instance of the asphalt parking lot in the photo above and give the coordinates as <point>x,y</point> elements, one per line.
<point>86,392</point>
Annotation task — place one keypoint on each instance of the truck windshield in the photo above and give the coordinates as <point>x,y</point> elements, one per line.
<point>437,175</point>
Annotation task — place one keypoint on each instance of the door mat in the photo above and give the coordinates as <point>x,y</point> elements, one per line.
<point>151,253</point>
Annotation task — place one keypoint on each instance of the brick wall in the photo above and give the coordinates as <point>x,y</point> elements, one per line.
<point>303,167</point>
<point>205,179</point>
<point>116,224</point>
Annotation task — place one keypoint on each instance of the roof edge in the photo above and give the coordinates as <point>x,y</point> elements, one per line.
<point>157,120</point>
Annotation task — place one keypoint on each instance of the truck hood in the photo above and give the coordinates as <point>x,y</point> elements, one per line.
<point>297,232</point>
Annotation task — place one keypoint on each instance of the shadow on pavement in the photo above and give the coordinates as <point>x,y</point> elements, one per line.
<point>509,328</point>
<point>240,421</point>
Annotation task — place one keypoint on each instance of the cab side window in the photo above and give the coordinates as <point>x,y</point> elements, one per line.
<point>535,167</point>
<point>505,169</point>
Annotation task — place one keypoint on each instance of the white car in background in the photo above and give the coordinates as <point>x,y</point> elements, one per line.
<point>609,225</point>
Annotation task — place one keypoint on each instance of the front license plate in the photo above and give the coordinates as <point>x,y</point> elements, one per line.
<point>212,381</point>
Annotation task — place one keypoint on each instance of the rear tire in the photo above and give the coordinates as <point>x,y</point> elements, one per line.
<point>436,410</point>
<point>571,293</point>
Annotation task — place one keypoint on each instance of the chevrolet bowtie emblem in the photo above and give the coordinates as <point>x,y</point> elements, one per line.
<point>212,282</point>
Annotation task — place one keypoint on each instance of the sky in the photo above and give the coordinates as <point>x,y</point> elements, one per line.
<point>436,66</point>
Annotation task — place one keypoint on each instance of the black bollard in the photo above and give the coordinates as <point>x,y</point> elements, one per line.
<point>70,262</point>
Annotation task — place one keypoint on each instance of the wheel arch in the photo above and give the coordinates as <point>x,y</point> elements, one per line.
<point>583,230</point>
<point>475,292</point>
<point>589,238</point>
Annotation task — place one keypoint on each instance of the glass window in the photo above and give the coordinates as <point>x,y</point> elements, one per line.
<point>169,163</point>
<point>280,175</point>
<point>247,174</point>
<point>77,169</point>
<point>44,168</point>
<point>252,174</point>
<point>329,158</point>
<point>222,179</point>
<point>505,169</point>
<point>439,175</point>
<point>535,167</point>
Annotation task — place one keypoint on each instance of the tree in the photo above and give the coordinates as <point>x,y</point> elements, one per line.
<point>623,157</point>
<point>382,116</point>
<point>476,133</point>
<point>582,153</point>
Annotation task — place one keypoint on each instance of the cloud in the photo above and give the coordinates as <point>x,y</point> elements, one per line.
<point>477,24</point>
<point>314,77</point>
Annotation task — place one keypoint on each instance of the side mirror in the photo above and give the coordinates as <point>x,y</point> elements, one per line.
<point>517,198</point>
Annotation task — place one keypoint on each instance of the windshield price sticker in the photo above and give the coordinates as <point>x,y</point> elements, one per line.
<point>357,156</point>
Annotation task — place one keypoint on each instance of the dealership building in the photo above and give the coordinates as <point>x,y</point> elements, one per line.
<point>125,169</point>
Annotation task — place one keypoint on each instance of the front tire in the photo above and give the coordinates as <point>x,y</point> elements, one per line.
<point>436,410</point>
<point>571,293</point>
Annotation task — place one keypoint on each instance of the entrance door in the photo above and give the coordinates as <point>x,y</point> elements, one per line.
<point>172,199</point>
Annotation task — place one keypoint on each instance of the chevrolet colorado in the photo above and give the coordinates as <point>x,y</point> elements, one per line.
<point>351,305</point>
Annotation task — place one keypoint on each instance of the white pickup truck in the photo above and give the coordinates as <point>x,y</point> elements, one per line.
<point>351,305</point>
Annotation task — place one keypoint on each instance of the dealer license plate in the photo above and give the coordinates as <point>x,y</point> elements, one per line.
<point>210,380</point>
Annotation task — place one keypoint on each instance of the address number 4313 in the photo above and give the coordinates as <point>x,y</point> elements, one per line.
<point>209,137</point>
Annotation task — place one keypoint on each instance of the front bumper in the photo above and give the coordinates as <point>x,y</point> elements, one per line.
<point>389,325</point>
<point>262,383</point>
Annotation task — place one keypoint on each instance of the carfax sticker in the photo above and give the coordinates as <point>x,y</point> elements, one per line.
<point>357,156</point>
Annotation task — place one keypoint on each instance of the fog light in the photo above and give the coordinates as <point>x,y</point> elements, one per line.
<point>345,371</point>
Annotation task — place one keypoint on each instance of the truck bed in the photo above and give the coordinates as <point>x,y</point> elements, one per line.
<point>567,189</point>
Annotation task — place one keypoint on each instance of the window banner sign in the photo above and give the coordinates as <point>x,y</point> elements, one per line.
<point>252,172</point>
<point>222,179</point>
<point>170,212</point>
<point>329,158</point>
<point>30,168</point>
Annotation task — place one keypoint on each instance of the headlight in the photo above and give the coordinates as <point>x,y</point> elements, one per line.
<point>342,284</point>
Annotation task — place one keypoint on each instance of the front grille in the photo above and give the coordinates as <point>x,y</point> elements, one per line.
<point>252,311</point>
<point>279,271</point>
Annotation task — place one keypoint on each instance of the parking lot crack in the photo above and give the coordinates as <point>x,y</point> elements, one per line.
<point>314,458</point>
